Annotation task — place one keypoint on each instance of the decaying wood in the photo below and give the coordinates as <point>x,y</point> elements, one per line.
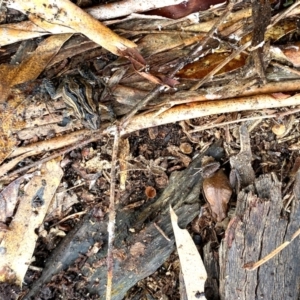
<point>182,193</point>
<point>241,163</point>
<point>259,226</point>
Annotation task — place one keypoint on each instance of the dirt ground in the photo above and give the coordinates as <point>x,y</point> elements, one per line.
<point>248,106</point>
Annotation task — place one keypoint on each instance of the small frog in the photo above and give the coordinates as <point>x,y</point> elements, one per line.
<point>77,94</point>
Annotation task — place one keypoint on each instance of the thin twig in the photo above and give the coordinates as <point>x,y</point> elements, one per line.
<point>161,232</point>
<point>252,266</point>
<point>214,29</point>
<point>112,216</point>
<point>275,115</point>
<point>41,161</point>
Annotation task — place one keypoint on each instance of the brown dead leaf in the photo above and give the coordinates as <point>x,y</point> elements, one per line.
<point>217,191</point>
<point>281,29</point>
<point>67,14</point>
<point>292,53</point>
<point>205,65</point>
<point>135,57</point>
<point>280,95</point>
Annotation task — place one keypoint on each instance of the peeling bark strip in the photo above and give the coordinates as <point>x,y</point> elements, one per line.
<point>127,7</point>
<point>67,14</point>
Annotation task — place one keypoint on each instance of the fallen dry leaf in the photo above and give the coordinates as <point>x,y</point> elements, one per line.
<point>192,267</point>
<point>217,191</point>
<point>17,32</point>
<point>292,54</point>
<point>19,241</point>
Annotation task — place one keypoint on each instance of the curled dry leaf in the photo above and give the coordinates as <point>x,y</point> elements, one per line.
<point>279,129</point>
<point>217,191</point>
<point>176,152</point>
<point>292,54</point>
<point>67,14</point>
<point>183,9</point>
<point>186,148</point>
